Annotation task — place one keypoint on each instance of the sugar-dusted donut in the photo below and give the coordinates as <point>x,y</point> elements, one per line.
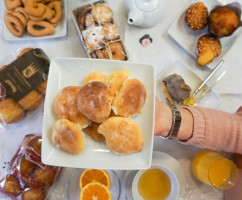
<point>14,25</point>
<point>48,29</point>
<point>117,51</point>
<point>122,135</point>
<point>95,76</point>
<point>68,136</point>
<point>12,4</point>
<point>102,13</point>
<point>130,98</point>
<point>65,106</point>
<point>94,101</point>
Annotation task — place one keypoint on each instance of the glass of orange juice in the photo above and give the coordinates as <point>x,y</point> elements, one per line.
<point>213,169</point>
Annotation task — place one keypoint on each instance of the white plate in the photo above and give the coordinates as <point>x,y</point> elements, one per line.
<point>60,29</point>
<point>71,71</point>
<point>188,38</point>
<point>161,159</point>
<point>209,100</point>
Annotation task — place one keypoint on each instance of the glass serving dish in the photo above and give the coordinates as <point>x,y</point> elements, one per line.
<point>73,189</point>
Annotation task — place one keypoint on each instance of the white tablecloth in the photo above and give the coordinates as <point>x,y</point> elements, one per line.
<point>163,52</point>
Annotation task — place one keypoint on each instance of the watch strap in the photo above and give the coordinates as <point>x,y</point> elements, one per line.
<point>176,123</point>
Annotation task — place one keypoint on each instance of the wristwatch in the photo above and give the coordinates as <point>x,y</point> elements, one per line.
<point>176,123</point>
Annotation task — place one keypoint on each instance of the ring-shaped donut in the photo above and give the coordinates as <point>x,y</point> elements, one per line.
<point>12,4</point>
<point>35,9</point>
<point>56,6</point>
<point>14,25</point>
<point>117,51</point>
<point>46,28</point>
<point>20,16</point>
<point>21,9</point>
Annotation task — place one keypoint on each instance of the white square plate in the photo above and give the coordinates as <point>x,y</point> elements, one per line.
<point>60,29</point>
<point>209,100</point>
<point>71,71</point>
<point>187,38</point>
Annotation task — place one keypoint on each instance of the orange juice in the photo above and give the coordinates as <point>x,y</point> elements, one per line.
<point>213,169</point>
<point>154,184</point>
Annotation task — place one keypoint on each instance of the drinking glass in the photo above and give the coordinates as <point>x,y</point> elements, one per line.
<point>214,169</point>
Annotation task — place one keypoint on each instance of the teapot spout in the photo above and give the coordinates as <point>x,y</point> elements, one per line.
<point>135,17</point>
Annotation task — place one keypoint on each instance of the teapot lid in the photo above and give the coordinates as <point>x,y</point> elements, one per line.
<point>147,5</point>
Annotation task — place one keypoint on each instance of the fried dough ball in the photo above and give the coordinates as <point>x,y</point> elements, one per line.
<point>116,80</point>
<point>223,21</point>
<point>12,185</point>
<point>130,99</point>
<point>68,136</point>
<point>208,47</point>
<point>94,101</point>
<point>46,175</point>
<point>93,133</point>
<point>122,135</point>
<point>65,106</point>
<point>196,16</point>
<point>34,194</point>
<point>31,100</point>
<point>10,111</point>
<point>96,76</point>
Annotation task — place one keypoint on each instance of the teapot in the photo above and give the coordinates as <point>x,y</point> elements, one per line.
<point>144,13</point>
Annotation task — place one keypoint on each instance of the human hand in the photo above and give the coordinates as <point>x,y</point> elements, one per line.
<point>163,118</point>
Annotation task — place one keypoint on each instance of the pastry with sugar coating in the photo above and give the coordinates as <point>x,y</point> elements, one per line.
<point>122,135</point>
<point>116,80</point>
<point>65,106</point>
<point>68,136</point>
<point>94,101</point>
<point>130,99</point>
<point>96,76</point>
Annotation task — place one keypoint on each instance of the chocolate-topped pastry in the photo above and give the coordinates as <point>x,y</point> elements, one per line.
<point>176,89</point>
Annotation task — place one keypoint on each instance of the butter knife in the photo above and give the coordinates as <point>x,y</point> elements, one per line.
<point>207,78</point>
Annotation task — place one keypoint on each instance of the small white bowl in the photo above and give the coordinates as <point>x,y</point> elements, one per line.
<point>171,167</point>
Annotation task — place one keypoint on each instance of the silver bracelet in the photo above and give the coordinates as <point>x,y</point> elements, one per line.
<point>176,123</point>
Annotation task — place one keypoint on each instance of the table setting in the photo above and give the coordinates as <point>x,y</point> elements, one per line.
<point>140,45</point>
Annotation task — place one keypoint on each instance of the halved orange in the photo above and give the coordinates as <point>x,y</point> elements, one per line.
<point>94,175</point>
<point>95,191</point>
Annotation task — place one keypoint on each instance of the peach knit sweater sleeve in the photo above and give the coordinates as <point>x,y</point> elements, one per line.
<point>216,130</point>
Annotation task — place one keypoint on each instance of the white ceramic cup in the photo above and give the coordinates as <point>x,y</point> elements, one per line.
<point>174,192</point>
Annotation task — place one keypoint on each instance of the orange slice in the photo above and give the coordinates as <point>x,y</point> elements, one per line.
<point>94,175</point>
<point>95,191</point>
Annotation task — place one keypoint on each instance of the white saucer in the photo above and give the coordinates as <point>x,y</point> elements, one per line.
<point>159,158</point>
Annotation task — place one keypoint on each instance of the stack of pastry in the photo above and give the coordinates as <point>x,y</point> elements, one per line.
<point>222,21</point>
<point>38,17</point>
<point>12,111</point>
<point>99,32</point>
<point>102,108</point>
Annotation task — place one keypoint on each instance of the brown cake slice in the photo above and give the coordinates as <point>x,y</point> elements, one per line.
<point>176,89</point>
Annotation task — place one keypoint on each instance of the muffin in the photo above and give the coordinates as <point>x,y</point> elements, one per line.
<point>223,21</point>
